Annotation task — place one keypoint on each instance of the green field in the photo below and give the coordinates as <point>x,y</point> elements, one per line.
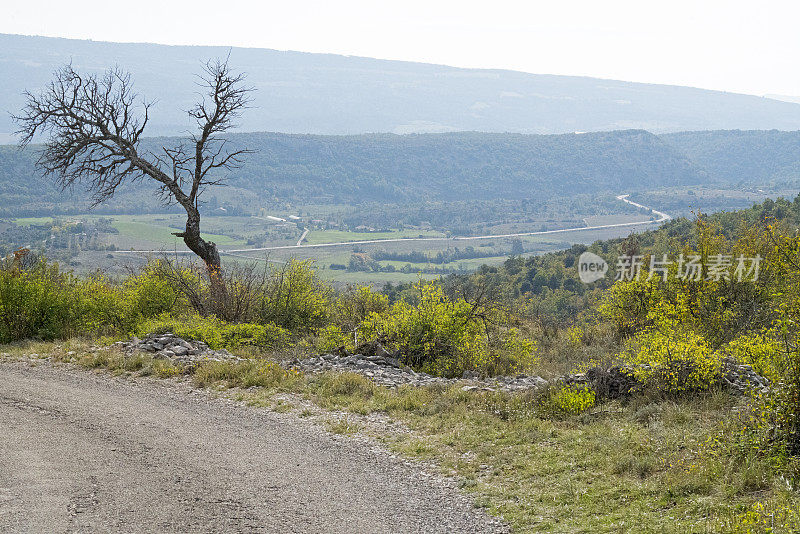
<point>27,221</point>
<point>163,235</point>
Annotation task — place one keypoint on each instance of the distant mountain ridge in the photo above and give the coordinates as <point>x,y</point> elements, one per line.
<point>330,94</point>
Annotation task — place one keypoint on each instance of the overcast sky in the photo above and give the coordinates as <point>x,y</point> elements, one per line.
<point>748,47</point>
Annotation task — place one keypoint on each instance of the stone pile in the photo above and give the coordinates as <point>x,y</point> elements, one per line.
<point>611,383</point>
<point>168,346</point>
<point>385,369</point>
<point>620,381</point>
<point>739,378</point>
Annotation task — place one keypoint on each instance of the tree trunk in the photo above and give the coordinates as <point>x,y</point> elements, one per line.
<point>207,251</point>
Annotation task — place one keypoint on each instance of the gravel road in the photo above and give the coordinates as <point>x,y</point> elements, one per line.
<point>81,452</point>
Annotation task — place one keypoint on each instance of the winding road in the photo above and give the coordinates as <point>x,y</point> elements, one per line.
<point>81,452</point>
<point>662,217</point>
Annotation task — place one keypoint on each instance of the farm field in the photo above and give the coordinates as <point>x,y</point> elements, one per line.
<point>392,255</point>
<point>152,234</point>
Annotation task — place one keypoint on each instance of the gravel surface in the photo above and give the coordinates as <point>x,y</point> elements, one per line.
<point>81,452</point>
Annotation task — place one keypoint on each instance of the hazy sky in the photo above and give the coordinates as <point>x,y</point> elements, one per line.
<point>749,47</point>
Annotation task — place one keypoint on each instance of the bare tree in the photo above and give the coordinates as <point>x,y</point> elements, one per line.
<point>93,127</point>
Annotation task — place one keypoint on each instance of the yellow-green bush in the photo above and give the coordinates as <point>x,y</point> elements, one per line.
<point>218,334</point>
<point>566,399</point>
<point>144,295</point>
<point>357,303</point>
<point>295,298</point>
<point>676,362</point>
<point>333,337</point>
<point>626,305</point>
<point>763,351</point>
<point>349,309</point>
<point>446,337</point>
<point>44,303</point>
<point>766,433</point>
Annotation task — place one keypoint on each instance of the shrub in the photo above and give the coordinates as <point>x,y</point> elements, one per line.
<point>350,308</point>
<point>96,302</point>
<point>446,337</point>
<point>763,351</point>
<point>145,295</point>
<point>566,399</point>
<point>763,441</point>
<point>44,303</point>
<point>332,337</point>
<point>290,296</point>
<point>231,295</point>
<point>294,298</point>
<point>33,303</point>
<point>218,334</point>
<point>355,304</point>
<point>673,363</point>
<point>772,426</point>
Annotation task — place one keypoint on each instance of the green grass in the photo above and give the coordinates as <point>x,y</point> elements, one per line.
<point>640,467</point>
<point>344,425</point>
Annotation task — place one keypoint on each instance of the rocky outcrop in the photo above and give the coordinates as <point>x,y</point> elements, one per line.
<point>612,383</point>
<point>620,381</point>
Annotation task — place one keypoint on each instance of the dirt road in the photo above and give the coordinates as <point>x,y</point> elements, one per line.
<point>86,453</point>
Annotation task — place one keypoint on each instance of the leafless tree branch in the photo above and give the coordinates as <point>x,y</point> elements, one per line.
<point>93,127</point>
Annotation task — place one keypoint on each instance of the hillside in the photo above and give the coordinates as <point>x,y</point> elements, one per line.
<point>330,94</point>
<point>458,166</point>
<point>735,156</point>
<point>386,168</point>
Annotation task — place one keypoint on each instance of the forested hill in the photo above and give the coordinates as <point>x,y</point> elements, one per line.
<point>459,166</point>
<point>330,94</point>
<point>463,166</point>
<point>395,169</point>
<point>735,156</point>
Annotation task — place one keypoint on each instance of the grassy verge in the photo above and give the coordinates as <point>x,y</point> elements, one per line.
<point>639,467</point>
